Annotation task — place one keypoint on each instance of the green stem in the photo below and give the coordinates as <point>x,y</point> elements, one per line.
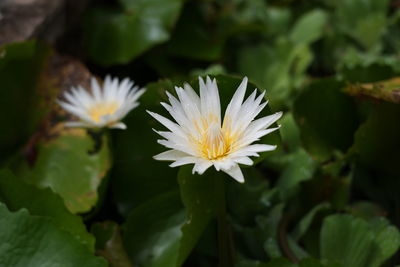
<point>225,242</point>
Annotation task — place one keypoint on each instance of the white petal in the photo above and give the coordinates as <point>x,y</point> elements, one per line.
<point>167,123</point>
<point>75,110</point>
<point>180,147</point>
<point>225,163</point>
<point>95,89</point>
<point>244,161</point>
<point>192,94</point>
<point>237,100</point>
<point>170,155</point>
<point>236,173</point>
<point>183,161</point>
<point>118,125</point>
<point>201,166</point>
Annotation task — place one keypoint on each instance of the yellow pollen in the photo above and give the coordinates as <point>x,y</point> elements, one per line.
<point>215,143</point>
<point>102,109</point>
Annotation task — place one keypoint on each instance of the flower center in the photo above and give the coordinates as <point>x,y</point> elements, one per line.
<point>96,112</point>
<point>214,144</point>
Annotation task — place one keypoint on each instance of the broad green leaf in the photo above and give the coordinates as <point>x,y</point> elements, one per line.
<point>388,90</point>
<point>160,233</point>
<point>305,222</point>
<point>324,126</point>
<point>193,38</point>
<point>377,139</point>
<point>280,262</point>
<point>361,68</point>
<point>283,262</point>
<point>290,132</point>
<point>28,240</point>
<point>109,244</point>
<point>309,27</point>
<point>244,200</point>
<point>152,232</point>
<point>355,242</point>
<point>366,67</point>
<point>118,36</point>
<point>17,195</point>
<point>70,165</point>
<point>364,20</point>
<point>279,67</point>
<point>366,210</point>
<point>20,108</point>
<point>136,176</point>
<point>387,239</point>
<point>201,196</point>
<point>300,167</point>
<point>269,225</point>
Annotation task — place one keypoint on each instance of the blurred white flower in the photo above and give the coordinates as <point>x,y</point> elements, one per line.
<point>102,107</point>
<point>198,136</point>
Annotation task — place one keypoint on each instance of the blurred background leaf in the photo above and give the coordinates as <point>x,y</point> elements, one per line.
<point>15,194</point>
<point>118,35</point>
<point>35,240</point>
<point>70,165</point>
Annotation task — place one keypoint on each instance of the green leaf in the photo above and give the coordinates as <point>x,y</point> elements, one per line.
<point>387,238</point>
<point>194,38</point>
<point>309,27</point>
<point>200,196</point>
<point>109,244</point>
<point>17,195</point>
<point>28,240</point>
<point>118,36</point>
<point>20,65</point>
<point>377,139</point>
<point>355,242</point>
<point>160,233</point>
<point>280,262</point>
<point>300,167</point>
<point>364,20</point>
<point>69,166</point>
<point>364,68</point>
<point>305,222</point>
<point>244,200</point>
<point>324,126</point>
<point>290,132</point>
<point>279,67</point>
<point>152,232</point>
<point>136,176</point>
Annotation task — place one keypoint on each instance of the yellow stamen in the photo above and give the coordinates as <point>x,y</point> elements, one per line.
<point>215,143</point>
<point>102,109</point>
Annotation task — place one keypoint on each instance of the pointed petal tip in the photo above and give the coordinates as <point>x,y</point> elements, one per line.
<point>236,173</point>
<point>278,115</point>
<point>119,125</point>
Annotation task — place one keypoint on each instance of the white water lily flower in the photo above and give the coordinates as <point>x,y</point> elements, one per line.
<point>103,107</point>
<point>199,136</point>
